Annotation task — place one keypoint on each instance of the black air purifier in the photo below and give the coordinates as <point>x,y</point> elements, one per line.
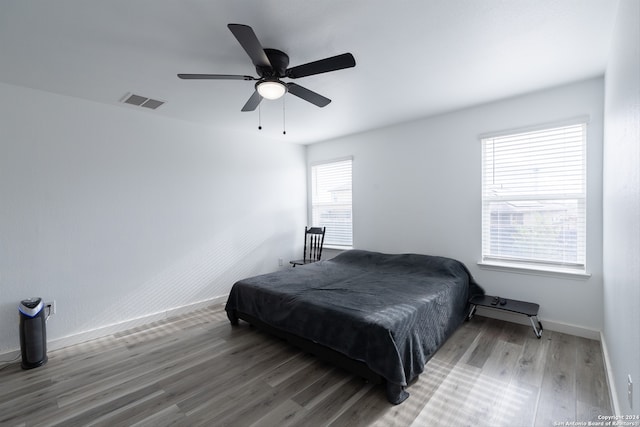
<point>33,333</point>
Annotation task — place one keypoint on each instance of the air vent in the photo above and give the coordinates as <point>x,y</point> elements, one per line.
<point>152,103</point>
<point>141,101</point>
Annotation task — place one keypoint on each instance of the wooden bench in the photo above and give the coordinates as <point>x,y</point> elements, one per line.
<point>529,309</point>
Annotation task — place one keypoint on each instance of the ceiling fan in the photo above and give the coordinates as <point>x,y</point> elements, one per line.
<point>271,65</point>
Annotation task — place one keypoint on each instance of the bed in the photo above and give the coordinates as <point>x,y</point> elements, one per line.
<point>381,316</point>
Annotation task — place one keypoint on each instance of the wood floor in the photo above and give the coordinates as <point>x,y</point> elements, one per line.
<point>198,370</point>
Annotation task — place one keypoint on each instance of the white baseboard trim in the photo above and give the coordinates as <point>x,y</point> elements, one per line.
<point>104,331</point>
<point>128,324</point>
<point>9,357</point>
<point>608,370</point>
<point>547,324</point>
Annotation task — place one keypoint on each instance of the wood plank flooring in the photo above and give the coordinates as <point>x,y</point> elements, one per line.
<point>196,369</point>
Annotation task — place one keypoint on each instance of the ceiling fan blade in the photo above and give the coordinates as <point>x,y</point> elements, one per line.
<point>308,95</point>
<point>338,62</point>
<point>251,44</point>
<point>253,102</point>
<point>214,77</point>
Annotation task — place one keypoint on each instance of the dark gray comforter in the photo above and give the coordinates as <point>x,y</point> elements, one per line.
<point>391,312</point>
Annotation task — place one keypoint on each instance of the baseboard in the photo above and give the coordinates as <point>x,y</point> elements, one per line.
<point>104,331</point>
<point>9,357</point>
<point>547,324</point>
<point>128,324</point>
<point>608,370</point>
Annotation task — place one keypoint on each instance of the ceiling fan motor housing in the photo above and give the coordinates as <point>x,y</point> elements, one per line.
<point>279,63</point>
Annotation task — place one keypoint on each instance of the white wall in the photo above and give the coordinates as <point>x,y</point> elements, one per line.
<point>416,188</point>
<point>621,194</point>
<point>118,214</point>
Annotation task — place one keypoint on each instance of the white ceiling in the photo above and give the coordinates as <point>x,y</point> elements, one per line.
<point>414,57</point>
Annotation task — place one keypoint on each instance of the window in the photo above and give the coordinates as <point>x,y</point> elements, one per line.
<point>534,198</point>
<point>331,201</point>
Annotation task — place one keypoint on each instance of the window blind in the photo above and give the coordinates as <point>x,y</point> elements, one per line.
<point>534,197</point>
<point>331,201</point>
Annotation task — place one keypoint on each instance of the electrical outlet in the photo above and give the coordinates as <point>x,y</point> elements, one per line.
<point>630,391</point>
<point>280,262</point>
<point>51,307</point>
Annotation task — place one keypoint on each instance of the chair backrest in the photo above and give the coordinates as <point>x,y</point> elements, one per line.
<point>313,241</point>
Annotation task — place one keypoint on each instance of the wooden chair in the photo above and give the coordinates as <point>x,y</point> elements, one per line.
<point>313,241</point>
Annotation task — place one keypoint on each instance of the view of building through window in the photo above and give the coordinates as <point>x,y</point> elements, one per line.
<point>534,197</point>
<point>331,201</point>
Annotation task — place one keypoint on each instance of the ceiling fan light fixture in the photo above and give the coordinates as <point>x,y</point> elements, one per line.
<point>271,89</point>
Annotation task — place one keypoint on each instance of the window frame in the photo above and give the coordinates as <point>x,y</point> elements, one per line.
<point>310,201</point>
<point>537,267</point>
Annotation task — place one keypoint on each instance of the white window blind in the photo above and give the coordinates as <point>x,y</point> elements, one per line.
<point>331,201</point>
<point>534,197</point>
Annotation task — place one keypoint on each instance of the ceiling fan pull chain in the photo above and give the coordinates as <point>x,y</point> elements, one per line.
<point>259,118</point>
<point>284,129</point>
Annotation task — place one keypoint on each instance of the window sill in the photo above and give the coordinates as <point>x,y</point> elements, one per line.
<point>565,273</point>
